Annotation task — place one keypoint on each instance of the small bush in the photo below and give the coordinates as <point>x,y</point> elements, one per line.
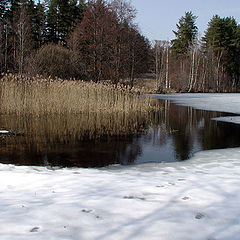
<point>57,61</point>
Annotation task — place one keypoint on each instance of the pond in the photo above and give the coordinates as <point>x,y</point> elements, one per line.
<point>173,133</point>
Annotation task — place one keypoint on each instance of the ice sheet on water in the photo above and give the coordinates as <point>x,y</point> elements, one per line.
<point>222,102</point>
<point>231,119</point>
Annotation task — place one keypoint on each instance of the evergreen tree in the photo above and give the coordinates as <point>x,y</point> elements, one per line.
<point>38,19</point>
<point>62,18</point>
<point>185,35</point>
<point>223,38</point>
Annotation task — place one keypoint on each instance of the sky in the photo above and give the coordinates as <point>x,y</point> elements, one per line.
<point>158,18</point>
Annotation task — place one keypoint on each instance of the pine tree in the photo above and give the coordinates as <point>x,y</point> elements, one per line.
<point>38,19</point>
<point>62,18</point>
<point>185,35</point>
<point>223,37</point>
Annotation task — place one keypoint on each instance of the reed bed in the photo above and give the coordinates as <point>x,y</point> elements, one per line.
<point>37,96</point>
<point>66,110</point>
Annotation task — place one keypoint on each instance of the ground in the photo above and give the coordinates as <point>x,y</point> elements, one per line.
<point>195,199</point>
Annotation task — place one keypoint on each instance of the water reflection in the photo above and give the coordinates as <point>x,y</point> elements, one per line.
<point>174,133</point>
<point>182,131</point>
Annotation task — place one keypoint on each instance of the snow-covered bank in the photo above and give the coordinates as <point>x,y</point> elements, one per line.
<point>196,199</point>
<point>221,102</point>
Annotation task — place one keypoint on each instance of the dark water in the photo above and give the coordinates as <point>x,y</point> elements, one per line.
<point>174,133</point>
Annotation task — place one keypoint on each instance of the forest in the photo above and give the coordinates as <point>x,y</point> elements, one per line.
<point>99,40</point>
<point>190,63</point>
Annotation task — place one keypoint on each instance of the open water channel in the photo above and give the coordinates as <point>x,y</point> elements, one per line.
<point>174,133</point>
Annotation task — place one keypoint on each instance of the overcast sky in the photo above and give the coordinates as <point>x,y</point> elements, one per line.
<point>157,18</point>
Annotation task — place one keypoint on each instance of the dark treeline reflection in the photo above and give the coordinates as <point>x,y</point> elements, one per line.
<point>173,133</point>
<point>184,131</point>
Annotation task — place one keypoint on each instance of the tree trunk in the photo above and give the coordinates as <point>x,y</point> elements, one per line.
<point>6,48</point>
<point>167,66</point>
<point>191,75</point>
<point>218,70</point>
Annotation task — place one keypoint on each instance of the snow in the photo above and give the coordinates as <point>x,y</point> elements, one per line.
<point>4,132</point>
<point>196,199</point>
<point>231,119</point>
<point>222,102</point>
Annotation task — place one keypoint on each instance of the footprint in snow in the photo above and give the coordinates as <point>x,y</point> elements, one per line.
<point>181,179</point>
<point>134,197</point>
<point>87,210</point>
<point>92,212</point>
<point>199,216</point>
<point>35,229</point>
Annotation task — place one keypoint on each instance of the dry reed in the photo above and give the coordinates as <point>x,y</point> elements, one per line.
<point>36,96</point>
<point>66,109</point>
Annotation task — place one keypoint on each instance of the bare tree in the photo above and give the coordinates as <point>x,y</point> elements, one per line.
<point>23,35</point>
<point>162,57</point>
<point>1,47</point>
<point>195,58</point>
<point>124,11</point>
<point>167,80</point>
<point>124,42</point>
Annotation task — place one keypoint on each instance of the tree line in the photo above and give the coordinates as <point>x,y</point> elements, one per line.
<point>190,63</point>
<point>95,40</point>
<point>98,40</point>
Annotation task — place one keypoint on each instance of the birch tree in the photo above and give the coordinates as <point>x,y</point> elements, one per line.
<point>162,58</point>
<point>24,41</point>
